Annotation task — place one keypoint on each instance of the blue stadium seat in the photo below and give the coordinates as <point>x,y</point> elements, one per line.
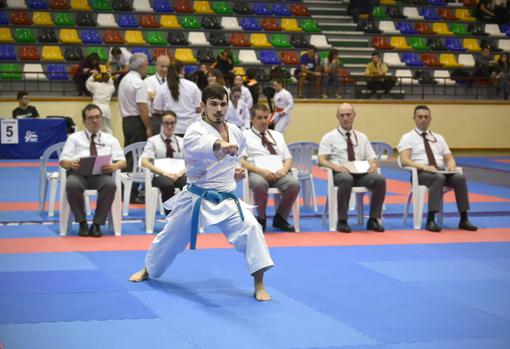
<point>190,69</point>
<point>260,8</point>
<point>7,53</point>
<point>162,6</point>
<point>56,72</point>
<point>437,2</point>
<point>3,18</point>
<point>269,57</point>
<point>250,24</point>
<point>280,10</point>
<point>37,4</point>
<point>411,60</point>
<point>127,21</point>
<point>429,13</point>
<point>406,28</point>
<point>90,36</point>
<point>454,44</point>
<point>505,28</point>
<point>143,50</point>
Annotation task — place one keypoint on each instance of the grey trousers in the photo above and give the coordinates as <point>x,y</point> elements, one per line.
<point>375,182</point>
<point>288,186</point>
<point>435,183</point>
<point>75,186</point>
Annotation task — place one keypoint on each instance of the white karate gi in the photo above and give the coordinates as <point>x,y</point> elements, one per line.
<point>205,171</point>
<point>283,102</point>
<point>102,93</point>
<point>239,116</point>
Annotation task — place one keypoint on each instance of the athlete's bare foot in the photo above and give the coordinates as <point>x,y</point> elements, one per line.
<point>260,293</point>
<point>139,276</point>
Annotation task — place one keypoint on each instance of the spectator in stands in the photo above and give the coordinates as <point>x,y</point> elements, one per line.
<point>165,145</point>
<point>283,104</point>
<point>494,11</point>
<point>358,7</point>
<point>245,92</point>
<point>501,75</point>
<point>118,64</point>
<point>181,96</point>
<point>200,76</point>
<point>215,77</point>
<point>331,68</point>
<point>375,72</point>
<point>484,64</point>
<point>89,66</point>
<point>24,111</point>
<point>225,63</point>
<point>253,85</point>
<point>309,69</point>
<point>430,154</point>
<point>342,146</point>
<point>263,142</point>
<point>154,83</point>
<point>238,112</point>
<point>102,89</point>
<point>91,142</point>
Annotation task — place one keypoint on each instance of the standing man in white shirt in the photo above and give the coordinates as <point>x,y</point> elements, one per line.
<point>283,104</point>
<point>211,152</point>
<point>165,145</point>
<point>246,96</point>
<point>118,63</point>
<point>102,91</point>
<point>91,142</point>
<point>154,83</point>
<point>237,112</point>
<point>260,141</point>
<point>429,153</point>
<point>344,144</point>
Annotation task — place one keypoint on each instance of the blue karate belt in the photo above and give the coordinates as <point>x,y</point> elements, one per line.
<point>210,195</point>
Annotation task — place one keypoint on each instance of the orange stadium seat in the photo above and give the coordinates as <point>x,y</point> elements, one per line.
<point>112,37</point>
<point>28,53</point>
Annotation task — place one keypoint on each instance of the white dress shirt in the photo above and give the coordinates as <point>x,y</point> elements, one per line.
<point>190,98</point>
<point>121,62</point>
<point>254,146</point>
<point>102,93</point>
<point>414,141</point>
<point>78,146</point>
<point>239,116</point>
<point>153,83</point>
<point>334,144</point>
<point>156,147</point>
<point>132,90</point>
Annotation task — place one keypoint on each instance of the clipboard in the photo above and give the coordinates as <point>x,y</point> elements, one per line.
<point>170,165</point>
<point>92,165</point>
<point>268,162</point>
<point>357,166</point>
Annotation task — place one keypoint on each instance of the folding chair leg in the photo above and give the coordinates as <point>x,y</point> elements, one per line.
<point>325,213</point>
<point>418,203</point>
<point>151,200</point>
<point>53,196</point>
<point>332,211</point>
<point>314,196</point>
<point>408,206</point>
<point>43,189</point>
<point>128,184</point>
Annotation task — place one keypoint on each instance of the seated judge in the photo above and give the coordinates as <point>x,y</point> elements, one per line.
<point>165,145</point>
<point>91,142</point>
<point>260,141</point>
<point>429,153</point>
<point>344,144</point>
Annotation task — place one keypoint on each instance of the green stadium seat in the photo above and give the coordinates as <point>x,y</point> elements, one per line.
<point>459,29</point>
<point>156,38</point>
<point>10,71</point>
<point>64,19</point>
<point>379,13</point>
<point>151,70</point>
<point>103,56</point>
<point>24,35</point>
<point>418,43</point>
<point>190,22</point>
<point>280,40</point>
<point>101,5</point>
<point>309,25</point>
<point>222,8</point>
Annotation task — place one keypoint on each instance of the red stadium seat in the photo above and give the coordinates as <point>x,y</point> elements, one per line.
<point>28,53</point>
<point>112,37</point>
<point>240,39</point>
<point>270,24</point>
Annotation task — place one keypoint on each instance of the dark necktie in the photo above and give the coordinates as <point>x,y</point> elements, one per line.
<point>267,144</point>
<point>169,149</point>
<point>93,149</point>
<point>162,81</point>
<point>428,150</point>
<point>350,148</point>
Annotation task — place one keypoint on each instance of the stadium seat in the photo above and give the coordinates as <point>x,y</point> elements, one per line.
<point>388,27</point>
<point>52,53</point>
<point>239,39</point>
<point>447,14</point>
<point>169,22</point>
<point>59,4</point>
<point>280,40</point>
<point>222,8</point>
<point>42,18</point>
<point>471,45</point>
<point>261,9</point>
<point>436,44</point>
<point>90,36</point>
<point>467,60</point>
<point>28,53</point>
<point>379,13</point>
<point>197,39</point>
<point>493,29</point>
<point>218,39</point>
<point>10,71</point>
<point>56,72</point>
<point>464,14</point>
<point>73,54</point>
<point>299,10</point>
<point>182,6</point>
<point>319,41</point>
<point>290,25</point>
<point>19,18</point>
<point>412,13</point>
<point>395,12</point>
<point>239,71</point>
<point>155,38</point>
<point>162,6</point>
<point>388,2</point>
<point>418,43</point>
<point>101,52</point>
<point>185,55</point>
<point>190,22</point>
<point>16,4</point>
<point>148,21</point>
<point>441,28</point>
<point>477,29</point>
<point>4,19</point>
<point>491,44</point>
<point>242,8</point>
<point>7,53</point>
<point>106,20</point>
<point>69,36</point>
<point>85,20</point>
<point>424,28</point>
<point>280,9</point>
<point>460,29</point>
<point>470,3</point>
<point>161,51</point>
<point>269,57</point>
<point>392,59</point>
<point>430,60</point>
<point>411,60</point>
<point>230,23</point>
<point>205,55</point>
<point>33,72</point>
<point>5,35</point>
<point>63,19</point>
<point>248,57</point>
<point>505,28</point>
<point>504,45</point>
<point>100,5</point>
<point>406,28</point>
<point>46,35</point>
<point>429,13</point>
<point>381,43</point>
<point>134,37</point>
<point>250,24</point>
<point>453,44</point>
<point>309,25</point>
<point>405,76</point>
<point>270,24</point>
<point>122,5</point>
<point>24,35</point>
<point>299,41</point>
<point>210,22</point>
<point>145,51</point>
<point>443,77</point>
<point>80,5</point>
<point>202,7</point>
<point>177,38</point>
<point>448,60</point>
<point>289,57</point>
<point>127,21</point>
<point>112,37</point>
<point>142,6</point>
<point>259,40</point>
<point>399,43</point>
<point>437,2</point>
<point>37,4</point>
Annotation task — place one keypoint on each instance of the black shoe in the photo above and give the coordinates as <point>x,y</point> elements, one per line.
<point>374,225</point>
<point>95,231</point>
<point>281,223</point>
<point>466,225</point>
<point>432,226</point>
<point>262,222</point>
<point>343,226</point>
<point>84,229</point>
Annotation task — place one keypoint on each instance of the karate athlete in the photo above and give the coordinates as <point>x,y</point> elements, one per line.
<point>283,104</point>
<point>211,151</point>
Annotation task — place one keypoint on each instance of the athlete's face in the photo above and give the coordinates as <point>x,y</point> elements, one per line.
<point>215,110</point>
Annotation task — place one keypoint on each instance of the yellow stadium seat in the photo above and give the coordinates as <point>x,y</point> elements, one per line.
<point>103,68</point>
<point>471,45</point>
<point>185,55</point>
<point>463,14</point>
<point>259,40</point>
<point>448,60</point>
<point>240,71</point>
<point>42,18</point>
<point>202,7</point>
<point>5,35</point>
<point>290,25</point>
<point>169,21</point>
<point>387,2</point>
<point>441,28</point>
<point>52,53</point>
<point>80,5</point>
<point>400,43</point>
<point>134,37</point>
<point>69,36</point>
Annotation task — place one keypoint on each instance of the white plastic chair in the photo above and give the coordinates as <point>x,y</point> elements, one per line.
<point>248,198</point>
<point>319,41</point>
<point>137,175</point>
<point>417,194</point>
<point>412,13</point>
<point>114,218</point>
<point>106,20</point>
<point>493,30</point>
<point>248,57</point>
<point>392,59</point>
<point>302,161</point>
<point>388,27</point>
<point>46,177</point>
<point>11,4</point>
<point>33,71</point>
<point>142,6</point>
<point>406,76</point>
<point>467,60</point>
<point>504,45</point>
<point>152,200</point>
<point>382,151</point>
<point>443,77</point>
<point>197,39</point>
<point>230,23</point>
